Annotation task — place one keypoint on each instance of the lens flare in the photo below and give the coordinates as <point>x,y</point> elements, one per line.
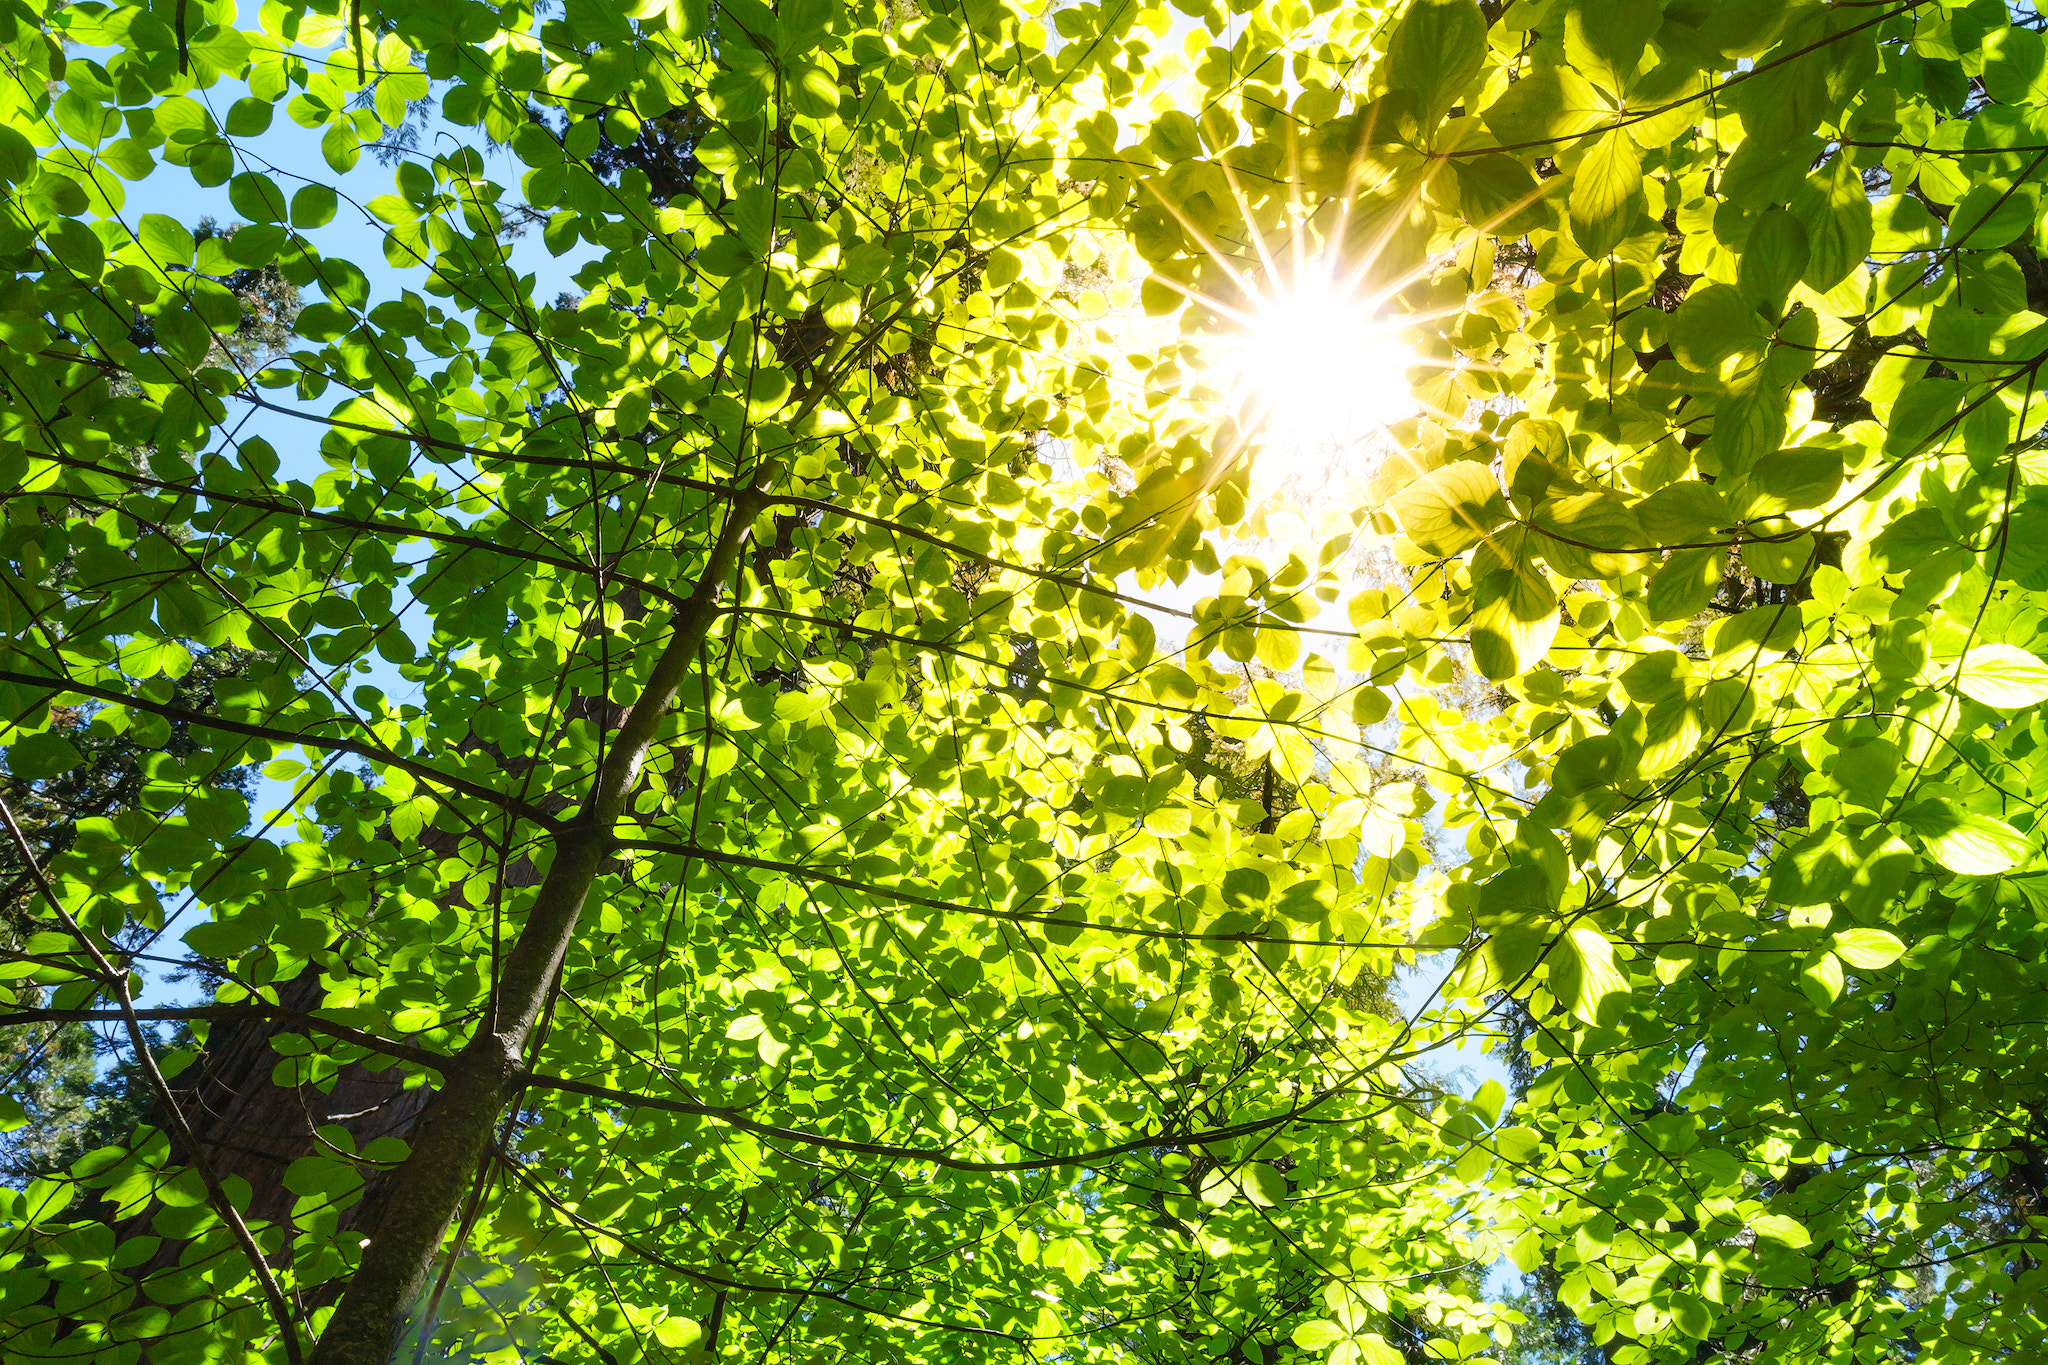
<point>1314,369</point>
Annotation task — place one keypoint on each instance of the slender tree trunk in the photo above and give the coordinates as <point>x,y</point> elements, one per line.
<point>455,1132</point>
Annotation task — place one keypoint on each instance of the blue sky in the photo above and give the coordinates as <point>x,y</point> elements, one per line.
<point>353,236</point>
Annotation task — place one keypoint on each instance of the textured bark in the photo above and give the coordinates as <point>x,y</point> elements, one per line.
<point>255,1129</point>
<point>252,1128</point>
<point>249,1127</point>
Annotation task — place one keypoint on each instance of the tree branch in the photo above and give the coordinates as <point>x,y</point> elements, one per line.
<point>249,1010</point>
<point>280,736</point>
<point>936,1156</point>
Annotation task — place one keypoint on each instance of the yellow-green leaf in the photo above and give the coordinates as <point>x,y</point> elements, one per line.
<point>1867,949</point>
<point>1606,193</point>
<point>1451,509</point>
<point>2004,676</point>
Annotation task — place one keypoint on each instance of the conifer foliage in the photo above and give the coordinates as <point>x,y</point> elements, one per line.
<point>824,796</point>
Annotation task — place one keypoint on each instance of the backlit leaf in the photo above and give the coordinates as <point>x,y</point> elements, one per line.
<point>1436,49</point>
<point>1606,193</point>
<point>1867,949</point>
<point>1450,509</point>
<point>2004,676</point>
<point>1966,842</point>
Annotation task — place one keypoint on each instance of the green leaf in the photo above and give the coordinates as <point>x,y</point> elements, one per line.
<point>1691,1315</point>
<point>866,263</point>
<point>2004,676</point>
<point>325,321</point>
<point>1792,479</point>
<point>182,334</point>
<point>2014,70</point>
<point>593,21</point>
<point>42,755</point>
<point>1991,216</point>
<point>1815,870</point>
<point>1717,330</point>
<point>1865,771</point>
<point>1605,38</point>
<point>1966,842</point>
<point>1317,1334</point>
<point>1901,223</point>
<point>1582,972</point>
<point>1516,1144</point>
<point>127,158</point>
<point>44,1200</point>
<point>1513,623</point>
<point>256,245</point>
<point>1780,553</point>
<point>165,240</point>
<point>1278,648</point>
<point>1451,509</point>
<point>147,656</point>
<point>1867,949</point>
<point>1591,535</point>
<point>1834,208</point>
<point>1509,954</point>
<point>1910,540</point>
<point>1773,259</point>
<point>341,147</point>
<point>1383,827</point>
<point>1373,1349</point>
<point>1921,419</point>
<point>313,206</point>
<point>814,92</point>
<point>724,257</point>
<point>1685,512</point>
<point>1436,50</point>
<point>1750,422</point>
<point>248,117</point>
<point>1821,978</point>
<point>1776,1227</point>
<point>391,208</point>
<point>678,1333</point>
<point>1548,104</point>
<point>257,197</point>
<point>1075,1257</point>
<point>1497,194</point>
<point>1607,193</point>
<point>1683,585</point>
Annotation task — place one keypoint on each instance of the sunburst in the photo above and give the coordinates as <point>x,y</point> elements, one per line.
<point>1313,367</point>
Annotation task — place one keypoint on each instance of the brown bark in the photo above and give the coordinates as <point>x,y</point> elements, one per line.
<point>250,1127</point>
<point>254,1129</point>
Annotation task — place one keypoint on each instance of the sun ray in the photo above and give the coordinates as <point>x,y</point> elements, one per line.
<point>1311,369</point>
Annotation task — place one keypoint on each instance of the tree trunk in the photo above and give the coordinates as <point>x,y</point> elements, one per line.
<point>457,1127</point>
<point>251,1128</point>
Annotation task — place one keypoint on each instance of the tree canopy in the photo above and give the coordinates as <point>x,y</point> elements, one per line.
<point>839,791</point>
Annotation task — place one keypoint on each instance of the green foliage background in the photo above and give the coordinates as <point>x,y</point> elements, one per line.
<point>833,915</point>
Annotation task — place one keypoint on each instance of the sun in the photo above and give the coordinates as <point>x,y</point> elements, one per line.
<point>1313,367</point>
